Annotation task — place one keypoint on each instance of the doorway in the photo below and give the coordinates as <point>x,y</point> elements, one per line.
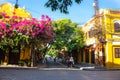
<point>14,55</point>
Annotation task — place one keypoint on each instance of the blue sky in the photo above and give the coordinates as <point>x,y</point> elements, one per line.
<point>77,13</point>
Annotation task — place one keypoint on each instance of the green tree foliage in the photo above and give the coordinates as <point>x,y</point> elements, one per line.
<point>63,31</point>
<point>67,35</point>
<point>76,40</point>
<point>61,5</point>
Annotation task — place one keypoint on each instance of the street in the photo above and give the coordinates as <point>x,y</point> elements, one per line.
<point>56,71</point>
<point>39,74</point>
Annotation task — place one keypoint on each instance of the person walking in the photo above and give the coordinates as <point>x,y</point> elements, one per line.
<point>71,62</point>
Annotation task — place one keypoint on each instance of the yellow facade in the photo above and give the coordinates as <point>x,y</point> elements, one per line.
<point>100,33</point>
<point>10,10</point>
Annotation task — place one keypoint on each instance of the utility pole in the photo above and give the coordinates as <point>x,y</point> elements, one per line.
<point>96,7</point>
<point>99,47</point>
<point>16,5</point>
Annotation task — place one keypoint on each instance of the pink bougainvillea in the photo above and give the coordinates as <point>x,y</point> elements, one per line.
<point>17,29</point>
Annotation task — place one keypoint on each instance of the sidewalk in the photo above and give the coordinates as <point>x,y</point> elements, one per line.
<point>40,66</point>
<point>84,66</point>
<point>87,66</point>
<point>81,66</point>
<point>16,67</point>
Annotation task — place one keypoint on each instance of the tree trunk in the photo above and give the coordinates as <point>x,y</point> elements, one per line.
<point>33,57</point>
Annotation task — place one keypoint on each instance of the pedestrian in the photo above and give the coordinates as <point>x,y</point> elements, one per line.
<point>71,61</point>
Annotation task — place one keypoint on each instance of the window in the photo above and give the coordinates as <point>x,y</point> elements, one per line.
<point>117,52</point>
<point>117,26</point>
<point>92,32</point>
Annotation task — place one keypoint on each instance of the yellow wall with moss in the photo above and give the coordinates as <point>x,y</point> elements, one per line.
<point>25,54</point>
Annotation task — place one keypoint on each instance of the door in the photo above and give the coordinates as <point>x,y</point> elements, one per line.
<point>14,55</point>
<point>116,57</point>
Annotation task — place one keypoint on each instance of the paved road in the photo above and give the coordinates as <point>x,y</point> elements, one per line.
<point>51,65</point>
<point>39,74</point>
<point>56,71</point>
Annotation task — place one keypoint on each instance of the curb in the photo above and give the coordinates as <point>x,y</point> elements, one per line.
<point>68,69</point>
<point>15,67</point>
<point>91,68</point>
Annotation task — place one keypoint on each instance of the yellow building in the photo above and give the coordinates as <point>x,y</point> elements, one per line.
<point>10,10</point>
<point>14,58</point>
<point>102,32</point>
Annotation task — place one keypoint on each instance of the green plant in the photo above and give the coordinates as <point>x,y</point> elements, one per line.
<point>0,16</point>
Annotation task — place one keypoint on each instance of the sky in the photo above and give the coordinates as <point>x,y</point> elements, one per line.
<point>77,13</point>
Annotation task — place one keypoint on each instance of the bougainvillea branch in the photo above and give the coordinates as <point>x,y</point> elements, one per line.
<point>16,30</point>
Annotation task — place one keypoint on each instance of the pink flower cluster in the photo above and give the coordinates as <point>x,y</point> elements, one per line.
<point>33,28</point>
